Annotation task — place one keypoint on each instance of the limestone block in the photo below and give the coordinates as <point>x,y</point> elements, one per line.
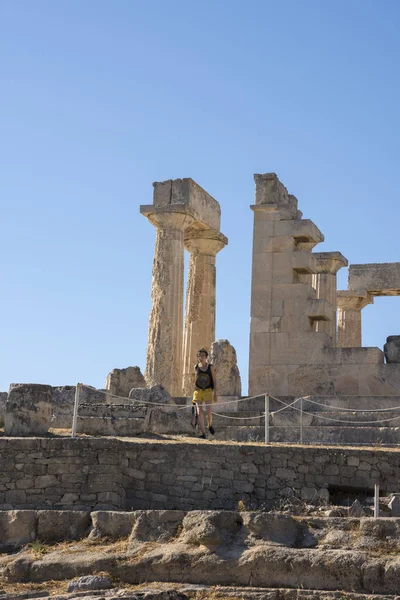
<point>262,269</point>
<point>17,527</point>
<point>63,406</point>
<point>90,582</point>
<point>120,381</point>
<point>392,349</point>
<point>379,279</point>
<point>211,528</point>
<point>110,426</point>
<point>187,194</point>
<point>155,525</point>
<point>167,420</point>
<point>156,394</point>
<point>224,359</point>
<point>92,395</point>
<point>29,409</point>
<point>282,530</point>
<point>263,244</point>
<point>3,400</point>
<point>304,262</point>
<point>394,505</point>
<point>112,524</point>
<point>58,525</point>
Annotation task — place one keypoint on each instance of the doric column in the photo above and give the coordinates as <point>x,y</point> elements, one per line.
<point>328,264</point>
<point>349,304</point>
<point>199,324</point>
<point>164,349</point>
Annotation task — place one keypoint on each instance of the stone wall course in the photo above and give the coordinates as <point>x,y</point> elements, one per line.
<point>173,472</point>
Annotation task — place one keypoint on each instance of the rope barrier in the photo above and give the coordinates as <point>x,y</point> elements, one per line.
<point>353,409</point>
<point>319,416</point>
<point>262,414</point>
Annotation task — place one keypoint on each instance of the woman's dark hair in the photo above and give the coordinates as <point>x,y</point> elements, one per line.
<point>203,350</point>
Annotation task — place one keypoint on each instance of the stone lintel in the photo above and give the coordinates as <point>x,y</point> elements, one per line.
<point>353,299</point>
<point>186,192</point>
<point>380,279</point>
<point>205,241</point>
<point>330,262</point>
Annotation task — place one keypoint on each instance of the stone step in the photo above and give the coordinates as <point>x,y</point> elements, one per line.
<point>126,427</point>
<point>327,435</point>
<point>112,411</point>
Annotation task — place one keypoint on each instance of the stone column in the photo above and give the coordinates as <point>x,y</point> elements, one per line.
<point>349,304</point>
<point>199,324</point>
<point>164,349</point>
<point>328,264</point>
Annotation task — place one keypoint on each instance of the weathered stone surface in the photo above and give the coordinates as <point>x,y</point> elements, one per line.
<point>155,525</point>
<point>156,395</point>
<point>392,349</point>
<point>29,409</point>
<point>394,505</point>
<point>120,381</point>
<point>58,525</point>
<point>224,359</point>
<point>17,527</point>
<point>211,528</point>
<point>112,524</point>
<point>167,420</point>
<point>90,582</point>
<point>380,279</point>
<point>3,400</point>
<point>199,324</point>
<point>63,406</point>
<point>274,528</point>
<point>356,510</point>
<point>92,395</point>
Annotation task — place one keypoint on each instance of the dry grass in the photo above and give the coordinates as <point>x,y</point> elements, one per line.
<point>38,549</point>
<point>52,587</point>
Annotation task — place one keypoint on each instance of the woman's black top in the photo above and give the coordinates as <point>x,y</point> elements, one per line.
<point>204,379</point>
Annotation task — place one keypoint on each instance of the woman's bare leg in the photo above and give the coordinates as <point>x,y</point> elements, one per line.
<point>201,418</point>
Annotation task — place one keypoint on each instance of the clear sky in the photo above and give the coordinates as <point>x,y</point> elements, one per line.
<point>102,97</point>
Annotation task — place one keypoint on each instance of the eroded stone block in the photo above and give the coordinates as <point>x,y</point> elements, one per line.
<point>29,409</point>
<point>224,360</point>
<point>120,381</point>
<point>392,349</point>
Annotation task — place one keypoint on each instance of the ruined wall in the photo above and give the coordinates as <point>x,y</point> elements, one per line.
<point>89,473</point>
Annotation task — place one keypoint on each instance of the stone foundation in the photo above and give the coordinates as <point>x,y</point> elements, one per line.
<point>87,473</point>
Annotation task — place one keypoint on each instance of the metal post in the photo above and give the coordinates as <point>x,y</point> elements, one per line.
<point>376,501</point>
<point>301,420</point>
<point>76,404</point>
<point>266,424</point>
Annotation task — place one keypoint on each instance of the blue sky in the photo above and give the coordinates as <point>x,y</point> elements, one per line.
<point>101,98</point>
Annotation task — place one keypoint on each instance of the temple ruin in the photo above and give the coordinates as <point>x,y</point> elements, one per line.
<point>305,335</point>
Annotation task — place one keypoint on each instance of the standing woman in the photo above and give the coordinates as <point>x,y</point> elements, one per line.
<point>205,391</point>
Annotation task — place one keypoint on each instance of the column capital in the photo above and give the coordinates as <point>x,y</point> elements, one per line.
<point>330,262</point>
<point>173,217</point>
<point>353,299</point>
<point>204,241</point>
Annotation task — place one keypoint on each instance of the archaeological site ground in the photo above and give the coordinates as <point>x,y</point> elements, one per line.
<point>110,493</point>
